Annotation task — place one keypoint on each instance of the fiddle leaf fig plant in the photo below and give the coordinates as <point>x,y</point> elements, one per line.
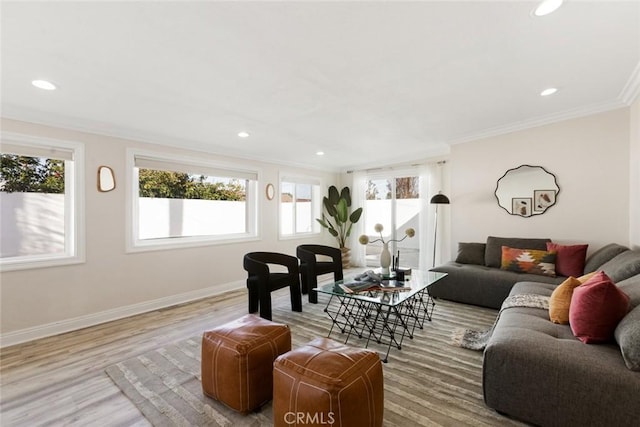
<point>337,219</point>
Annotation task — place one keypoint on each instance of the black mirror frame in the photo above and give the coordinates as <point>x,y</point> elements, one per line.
<point>555,180</point>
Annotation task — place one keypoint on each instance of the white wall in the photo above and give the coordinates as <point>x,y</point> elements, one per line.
<point>113,283</point>
<point>590,158</point>
<point>634,164</point>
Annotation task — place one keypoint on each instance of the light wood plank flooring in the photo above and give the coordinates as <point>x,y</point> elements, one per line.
<point>60,381</point>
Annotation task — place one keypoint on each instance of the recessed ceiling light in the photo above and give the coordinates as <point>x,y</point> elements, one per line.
<point>548,91</point>
<point>243,134</point>
<point>547,7</point>
<point>43,84</point>
<point>319,153</point>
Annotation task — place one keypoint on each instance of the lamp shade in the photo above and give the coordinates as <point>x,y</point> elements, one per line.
<point>439,199</point>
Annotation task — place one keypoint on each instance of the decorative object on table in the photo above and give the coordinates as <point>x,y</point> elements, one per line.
<point>385,255</point>
<point>369,281</point>
<point>438,199</point>
<point>339,221</point>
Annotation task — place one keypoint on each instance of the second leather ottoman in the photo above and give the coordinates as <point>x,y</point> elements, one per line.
<point>237,361</point>
<point>328,383</point>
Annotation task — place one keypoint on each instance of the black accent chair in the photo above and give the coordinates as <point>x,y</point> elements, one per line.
<point>311,268</point>
<point>261,281</point>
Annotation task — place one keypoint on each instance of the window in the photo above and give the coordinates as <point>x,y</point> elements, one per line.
<point>186,202</point>
<point>393,201</point>
<point>299,206</point>
<point>40,199</point>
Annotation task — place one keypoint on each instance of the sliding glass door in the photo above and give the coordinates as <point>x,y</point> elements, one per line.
<point>393,200</point>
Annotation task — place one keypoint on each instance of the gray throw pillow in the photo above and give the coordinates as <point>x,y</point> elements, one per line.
<point>471,253</point>
<point>627,335</point>
<point>493,251</point>
<point>602,255</point>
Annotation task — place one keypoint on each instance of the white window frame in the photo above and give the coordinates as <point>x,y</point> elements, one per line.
<point>316,204</point>
<point>134,244</point>
<point>74,191</point>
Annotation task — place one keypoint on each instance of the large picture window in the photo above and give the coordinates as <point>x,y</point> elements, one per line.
<point>40,201</point>
<point>189,203</point>
<point>300,204</point>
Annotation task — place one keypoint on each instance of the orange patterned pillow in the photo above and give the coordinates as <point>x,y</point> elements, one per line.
<point>530,261</point>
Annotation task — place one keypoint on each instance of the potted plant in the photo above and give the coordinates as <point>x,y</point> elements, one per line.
<point>338,220</point>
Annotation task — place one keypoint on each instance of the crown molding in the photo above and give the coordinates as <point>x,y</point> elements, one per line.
<point>631,90</point>
<point>540,121</point>
<point>62,122</point>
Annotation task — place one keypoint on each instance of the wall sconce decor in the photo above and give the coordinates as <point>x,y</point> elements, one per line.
<point>106,179</point>
<point>270,191</point>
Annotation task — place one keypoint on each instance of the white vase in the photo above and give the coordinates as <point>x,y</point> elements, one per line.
<point>385,259</point>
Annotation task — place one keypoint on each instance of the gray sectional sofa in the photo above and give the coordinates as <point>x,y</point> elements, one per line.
<point>537,371</point>
<point>475,276</point>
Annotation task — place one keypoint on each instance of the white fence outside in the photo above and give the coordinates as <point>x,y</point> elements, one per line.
<point>31,224</point>
<point>159,217</point>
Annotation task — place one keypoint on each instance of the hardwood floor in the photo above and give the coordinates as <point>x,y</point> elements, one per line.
<point>60,381</point>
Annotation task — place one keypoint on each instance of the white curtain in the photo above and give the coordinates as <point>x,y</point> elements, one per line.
<point>358,251</point>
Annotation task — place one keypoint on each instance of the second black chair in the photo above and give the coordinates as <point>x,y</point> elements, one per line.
<point>311,267</point>
<point>261,281</point>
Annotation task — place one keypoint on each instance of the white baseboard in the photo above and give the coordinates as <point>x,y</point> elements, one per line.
<point>55,328</point>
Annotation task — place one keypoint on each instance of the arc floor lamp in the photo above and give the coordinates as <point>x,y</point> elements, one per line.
<point>438,199</point>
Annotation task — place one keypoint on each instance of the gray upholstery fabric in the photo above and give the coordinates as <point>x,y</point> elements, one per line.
<point>537,371</point>
<point>480,285</point>
<point>631,287</point>
<point>471,253</point>
<point>493,251</point>
<point>628,338</point>
<point>602,255</point>
<point>622,266</point>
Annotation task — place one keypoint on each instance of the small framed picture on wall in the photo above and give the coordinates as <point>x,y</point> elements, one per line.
<point>542,199</point>
<point>521,206</point>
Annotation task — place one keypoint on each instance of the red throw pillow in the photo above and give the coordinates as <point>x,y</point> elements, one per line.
<point>596,308</point>
<point>569,259</point>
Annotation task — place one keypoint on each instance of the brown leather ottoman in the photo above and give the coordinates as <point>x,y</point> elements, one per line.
<point>328,383</point>
<point>237,361</point>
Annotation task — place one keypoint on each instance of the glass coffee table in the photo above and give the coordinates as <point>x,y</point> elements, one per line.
<point>385,317</point>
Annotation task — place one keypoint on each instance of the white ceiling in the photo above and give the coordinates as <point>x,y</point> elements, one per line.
<point>368,83</point>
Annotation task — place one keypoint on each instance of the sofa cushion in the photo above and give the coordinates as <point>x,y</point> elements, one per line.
<point>627,336</point>
<point>596,308</point>
<point>528,261</point>
<point>602,255</point>
<point>493,251</point>
<point>570,259</point>
<point>622,266</point>
<point>631,287</point>
<point>480,285</point>
<point>538,372</point>
<point>471,253</point>
<point>560,299</point>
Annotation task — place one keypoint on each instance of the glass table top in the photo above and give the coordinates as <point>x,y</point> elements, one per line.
<point>416,283</point>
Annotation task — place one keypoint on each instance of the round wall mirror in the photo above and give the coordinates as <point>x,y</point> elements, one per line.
<point>527,190</point>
